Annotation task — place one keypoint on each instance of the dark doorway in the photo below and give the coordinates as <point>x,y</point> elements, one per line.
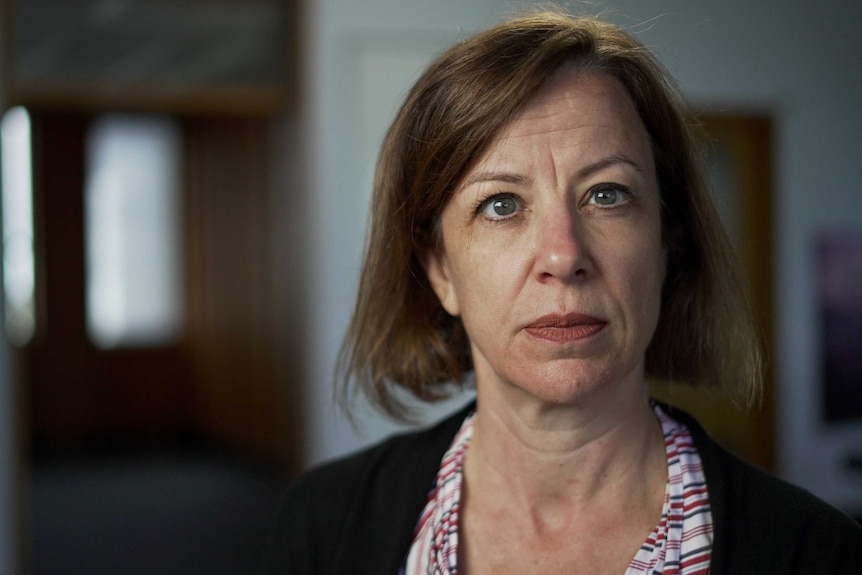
<point>165,453</point>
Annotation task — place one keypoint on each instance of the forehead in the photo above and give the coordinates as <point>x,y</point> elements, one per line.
<point>583,110</point>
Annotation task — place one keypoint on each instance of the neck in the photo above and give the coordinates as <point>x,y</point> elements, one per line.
<point>583,456</point>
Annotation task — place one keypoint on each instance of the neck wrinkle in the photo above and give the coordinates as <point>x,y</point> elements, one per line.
<point>545,466</point>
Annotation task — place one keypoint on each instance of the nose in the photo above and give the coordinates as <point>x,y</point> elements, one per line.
<point>561,247</point>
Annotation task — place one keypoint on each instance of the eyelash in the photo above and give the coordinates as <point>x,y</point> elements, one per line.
<point>609,187</point>
<point>483,203</point>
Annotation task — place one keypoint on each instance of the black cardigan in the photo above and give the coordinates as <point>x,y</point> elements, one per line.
<point>357,515</point>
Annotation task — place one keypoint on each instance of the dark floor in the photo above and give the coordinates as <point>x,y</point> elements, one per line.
<point>156,512</point>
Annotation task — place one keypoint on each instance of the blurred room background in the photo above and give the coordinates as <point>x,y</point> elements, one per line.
<point>185,196</point>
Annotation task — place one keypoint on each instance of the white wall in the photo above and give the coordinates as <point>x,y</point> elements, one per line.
<point>798,62</point>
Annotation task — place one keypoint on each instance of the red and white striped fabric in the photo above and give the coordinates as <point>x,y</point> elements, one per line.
<point>681,543</point>
<point>435,541</point>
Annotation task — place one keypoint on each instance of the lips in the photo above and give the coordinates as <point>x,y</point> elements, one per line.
<point>565,328</point>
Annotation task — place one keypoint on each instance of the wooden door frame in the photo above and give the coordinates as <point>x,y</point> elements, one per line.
<point>270,101</point>
<point>746,142</point>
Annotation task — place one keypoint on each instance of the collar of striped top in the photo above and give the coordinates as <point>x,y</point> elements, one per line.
<point>681,543</point>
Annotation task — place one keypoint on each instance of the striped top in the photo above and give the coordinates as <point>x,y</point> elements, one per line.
<point>681,543</point>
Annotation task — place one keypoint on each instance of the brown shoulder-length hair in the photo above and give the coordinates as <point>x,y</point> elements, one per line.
<point>401,337</point>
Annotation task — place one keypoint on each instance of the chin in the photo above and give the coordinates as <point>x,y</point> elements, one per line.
<point>572,383</point>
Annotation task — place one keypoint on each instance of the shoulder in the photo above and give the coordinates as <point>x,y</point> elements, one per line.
<point>360,510</point>
<point>764,524</point>
<point>382,467</point>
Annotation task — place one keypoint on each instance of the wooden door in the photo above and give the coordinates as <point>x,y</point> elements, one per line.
<point>220,380</point>
<point>77,392</point>
<point>740,160</point>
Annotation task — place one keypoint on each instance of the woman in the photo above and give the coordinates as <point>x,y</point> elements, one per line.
<point>540,220</point>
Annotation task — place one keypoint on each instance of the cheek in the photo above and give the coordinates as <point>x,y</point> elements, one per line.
<point>634,271</point>
<point>496,269</point>
<point>476,282</point>
<point>646,283</point>
<point>486,283</point>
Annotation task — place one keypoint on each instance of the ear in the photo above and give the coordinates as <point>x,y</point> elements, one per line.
<point>437,270</point>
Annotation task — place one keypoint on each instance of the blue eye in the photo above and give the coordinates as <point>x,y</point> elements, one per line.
<point>499,207</point>
<point>608,195</point>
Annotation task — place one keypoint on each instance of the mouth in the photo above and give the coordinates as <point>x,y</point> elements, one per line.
<point>565,328</point>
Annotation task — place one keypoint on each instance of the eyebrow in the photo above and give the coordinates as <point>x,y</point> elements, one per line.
<point>504,177</point>
<point>520,179</point>
<point>611,160</point>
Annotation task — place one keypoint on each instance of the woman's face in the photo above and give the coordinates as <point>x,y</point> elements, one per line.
<point>552,252</point>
